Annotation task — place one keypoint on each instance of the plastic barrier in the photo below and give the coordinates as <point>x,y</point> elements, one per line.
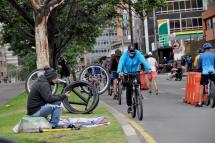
<point>143,83</point>
<point>192,93</point>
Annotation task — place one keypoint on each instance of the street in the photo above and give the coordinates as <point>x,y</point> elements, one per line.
<point>167,119</point>
<point>8,91</point>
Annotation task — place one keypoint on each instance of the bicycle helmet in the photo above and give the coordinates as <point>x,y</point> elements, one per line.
<point>118,52</point>
<point>207,46</point>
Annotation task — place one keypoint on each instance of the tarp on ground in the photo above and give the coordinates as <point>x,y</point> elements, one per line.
<point>31,124</point>
<point>85,122</point>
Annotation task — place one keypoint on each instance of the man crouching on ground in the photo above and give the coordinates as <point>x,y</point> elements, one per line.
<point>41,101</point>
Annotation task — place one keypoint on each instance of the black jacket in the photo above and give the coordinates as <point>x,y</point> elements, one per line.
<point>40,95</point>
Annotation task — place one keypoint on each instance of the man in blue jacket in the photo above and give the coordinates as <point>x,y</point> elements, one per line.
<point>130,63</point>
<point>206,63</point>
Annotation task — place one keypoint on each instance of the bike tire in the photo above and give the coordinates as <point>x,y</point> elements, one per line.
<point>139,104</point>
<point>119,92</point>
<point>134,102</point>
<point>107,76</point>
<point>29,83</point>
<point>212,94</point>
<point>74,104</point>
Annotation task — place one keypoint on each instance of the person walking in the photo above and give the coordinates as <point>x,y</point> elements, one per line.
<point>153,75</point>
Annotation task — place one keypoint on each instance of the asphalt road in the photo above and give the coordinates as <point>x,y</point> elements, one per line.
<point>9,91</point>
<point>167,119</point>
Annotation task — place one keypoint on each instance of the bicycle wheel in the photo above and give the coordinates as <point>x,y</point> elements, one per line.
<point>119,92</point>
<point>80,101</point>
<point>96,75</point>
<point>139,104</point>
<point>134,102</point>
<point>32,78</point>
<point>212,94</point>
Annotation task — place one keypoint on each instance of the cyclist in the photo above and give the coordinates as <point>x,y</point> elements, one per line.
<point>195,64</point>
<point>113,70</point>
<point>206,63</point>
<point>130,63</point>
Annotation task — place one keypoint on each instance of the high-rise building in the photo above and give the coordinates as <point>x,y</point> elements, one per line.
<point>176,25</point>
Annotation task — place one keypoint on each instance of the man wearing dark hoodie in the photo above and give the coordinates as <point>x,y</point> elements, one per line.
<point>41,101</point>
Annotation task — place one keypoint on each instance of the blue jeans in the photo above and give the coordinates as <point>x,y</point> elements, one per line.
<point>54,110</point>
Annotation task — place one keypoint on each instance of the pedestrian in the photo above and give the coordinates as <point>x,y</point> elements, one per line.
<point>41,102</point>
<point>153,75</point>
<point>189,63</point>
<point>195,64</point>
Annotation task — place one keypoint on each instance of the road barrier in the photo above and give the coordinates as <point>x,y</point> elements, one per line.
<point>143,83</point>
<point>192,94</point>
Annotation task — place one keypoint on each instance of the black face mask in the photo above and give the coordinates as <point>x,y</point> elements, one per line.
<point>51,83</point>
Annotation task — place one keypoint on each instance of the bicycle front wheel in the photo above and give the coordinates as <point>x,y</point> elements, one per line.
<point>119,92</point>
<point>32,78</point>
<point>139,104</point>
<point>96,75</point>
<point>80,101</point>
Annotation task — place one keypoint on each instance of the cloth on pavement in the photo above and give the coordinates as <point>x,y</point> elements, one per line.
<point>85,122</point>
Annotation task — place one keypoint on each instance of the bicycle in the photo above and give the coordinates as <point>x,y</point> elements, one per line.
<point>79,102</point>
<point>119,91</point>
<point>209,93</point>
<point>137,98</point>
<point>97,76</point>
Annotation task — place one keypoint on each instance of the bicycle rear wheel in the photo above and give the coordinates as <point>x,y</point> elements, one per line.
<point>212,94</point>
<point>119,92</point>
<point>32,78</point>
<point>80,101</point>
<point>99,75</point>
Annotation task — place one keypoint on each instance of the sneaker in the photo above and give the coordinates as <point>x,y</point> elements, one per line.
<point>150,92</point>
<point>156,92</point>
<point>129,109</point>
<point>115,97</point>
<point>199,105</point>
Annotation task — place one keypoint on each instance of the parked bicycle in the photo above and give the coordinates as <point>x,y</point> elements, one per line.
<point>137,98</point>
<point>79,101</point>
<point>97,76</point>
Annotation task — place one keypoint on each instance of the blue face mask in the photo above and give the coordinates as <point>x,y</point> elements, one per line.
<point>132,54</point>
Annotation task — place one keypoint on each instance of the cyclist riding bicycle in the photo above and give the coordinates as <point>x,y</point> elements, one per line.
<point>206,63</point>
<point>130,63</point>
<point>113,70</point>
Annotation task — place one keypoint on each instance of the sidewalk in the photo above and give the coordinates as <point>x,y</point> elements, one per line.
<point>129,131</point>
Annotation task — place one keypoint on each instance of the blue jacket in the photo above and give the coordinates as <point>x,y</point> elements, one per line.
<point>131,65</point>
<point>207,62</point>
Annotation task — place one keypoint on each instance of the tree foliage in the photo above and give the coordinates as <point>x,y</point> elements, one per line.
<point>74,24</point>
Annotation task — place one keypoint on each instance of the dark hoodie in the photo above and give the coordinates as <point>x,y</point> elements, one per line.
<point>40,95</point>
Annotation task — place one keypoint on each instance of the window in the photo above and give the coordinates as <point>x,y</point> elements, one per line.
<point>189,23</point>
<point>170,6</point>
<point>176,6</point>
<point>194,4</point>
<point>199,3</point>
<point>183,23</point>
<point>182,5</point>
<point>172,24</point>
<point>177,24</point>
<point>200,21</point>
<point>208,24</point>
<point>188,5</point>
<point>195,22</point>
<point>213,20</point>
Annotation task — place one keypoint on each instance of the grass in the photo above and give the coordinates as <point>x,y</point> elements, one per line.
<point>15,109</point>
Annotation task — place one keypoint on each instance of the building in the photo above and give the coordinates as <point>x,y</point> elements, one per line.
<point>10,57</point>
<point>208,18</point>
<point>3,69</point>
<point>175,26</point>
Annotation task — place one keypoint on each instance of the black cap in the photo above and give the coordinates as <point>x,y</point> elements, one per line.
<point>50,74</point>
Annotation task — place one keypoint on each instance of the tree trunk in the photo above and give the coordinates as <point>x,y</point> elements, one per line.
<point>42,9</point>
<point>41,37</point>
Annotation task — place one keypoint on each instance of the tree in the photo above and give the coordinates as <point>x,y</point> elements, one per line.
<point>71,24</point>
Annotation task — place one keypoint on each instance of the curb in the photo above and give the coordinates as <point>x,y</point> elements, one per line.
<point>129,131</point>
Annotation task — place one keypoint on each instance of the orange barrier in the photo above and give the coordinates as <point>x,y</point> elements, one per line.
<point>143,83</point>
<point>192,93</point>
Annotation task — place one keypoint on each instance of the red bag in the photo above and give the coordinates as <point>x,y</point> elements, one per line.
<point>143,83</point>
